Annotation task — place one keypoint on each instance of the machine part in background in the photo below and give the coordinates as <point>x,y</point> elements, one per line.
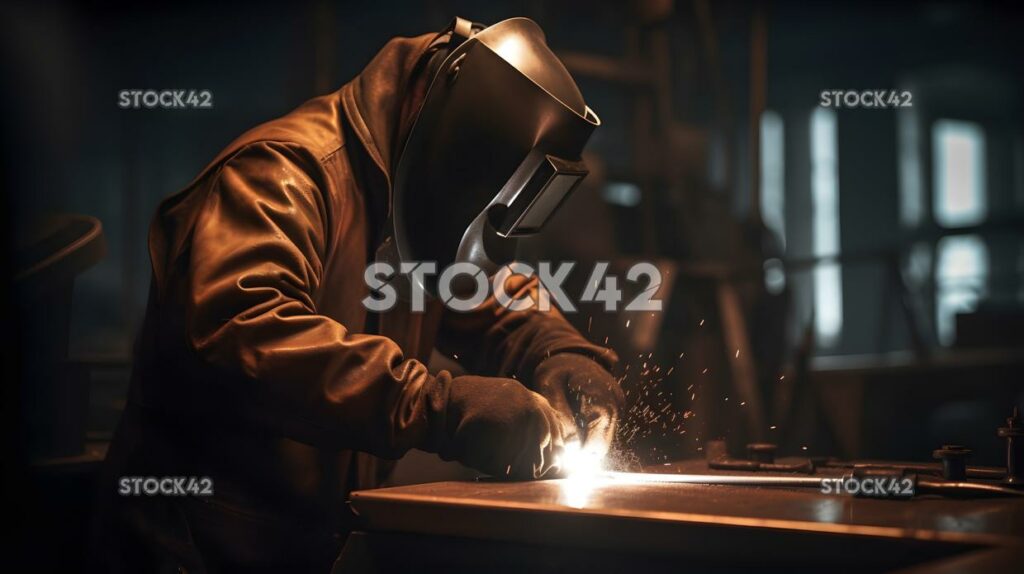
<point>983,472</point>
<point>1014,446</point>
<point>761,452</point>
<point>803,467</point>
<point>53,252</point>
<point>964,489</point>
<point>760,457</point>
<point>926,485</point>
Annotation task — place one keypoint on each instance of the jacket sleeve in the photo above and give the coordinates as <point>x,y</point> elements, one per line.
<point>257,258</point>
<point>495,340</point>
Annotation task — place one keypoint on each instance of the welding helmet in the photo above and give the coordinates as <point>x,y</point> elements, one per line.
<point>493,152</point>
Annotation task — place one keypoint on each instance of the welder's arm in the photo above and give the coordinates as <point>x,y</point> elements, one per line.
<point>541,349</point>
<point>256,259</point>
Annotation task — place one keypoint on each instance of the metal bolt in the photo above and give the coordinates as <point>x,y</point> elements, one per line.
<point>954,461</point>
<point>455,68</point>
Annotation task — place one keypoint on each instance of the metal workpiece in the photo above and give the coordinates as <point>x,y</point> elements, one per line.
<point>678,515</point>
<point>712,479</point>
<point>787,513</point>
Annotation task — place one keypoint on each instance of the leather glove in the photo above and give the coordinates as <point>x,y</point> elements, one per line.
<point>586,396</point>
<point>499,427</point>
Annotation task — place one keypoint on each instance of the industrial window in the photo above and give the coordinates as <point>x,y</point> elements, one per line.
<point>961,273</point>
<point>621,193</point>
<point>828,289</point>
<point>960,281</point>
<point>959,173</point>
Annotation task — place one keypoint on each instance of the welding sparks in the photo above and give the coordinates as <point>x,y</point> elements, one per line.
<point>653,410</point>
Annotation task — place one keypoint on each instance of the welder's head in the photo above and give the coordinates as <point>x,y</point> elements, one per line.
<point>494,150</point>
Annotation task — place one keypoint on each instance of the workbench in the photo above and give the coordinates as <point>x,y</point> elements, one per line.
<point>550,526</point>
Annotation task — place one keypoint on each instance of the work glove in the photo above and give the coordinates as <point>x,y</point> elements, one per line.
<point>499,427</point>
<point>585,395</point>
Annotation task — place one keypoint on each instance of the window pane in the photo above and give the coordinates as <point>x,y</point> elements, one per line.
<point>621,193</point>
<point>961,277</point>
<point>959,172</point>
<point>828,289</point>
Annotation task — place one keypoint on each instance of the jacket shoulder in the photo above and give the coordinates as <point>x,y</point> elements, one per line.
<point>314,130</point>
<point>315,126</point>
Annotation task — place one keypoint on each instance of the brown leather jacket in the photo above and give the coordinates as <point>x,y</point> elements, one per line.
<point>257,365</point>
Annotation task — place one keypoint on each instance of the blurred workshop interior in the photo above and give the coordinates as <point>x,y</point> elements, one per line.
<point>837,280</point>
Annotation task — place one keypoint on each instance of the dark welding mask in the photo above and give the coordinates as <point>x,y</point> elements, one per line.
<point>493,152</point>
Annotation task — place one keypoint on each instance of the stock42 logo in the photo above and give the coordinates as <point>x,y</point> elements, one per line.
<point>601,287</point>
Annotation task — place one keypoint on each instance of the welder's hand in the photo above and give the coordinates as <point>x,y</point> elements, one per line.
<point>587,397</point>
<point>500,427</point>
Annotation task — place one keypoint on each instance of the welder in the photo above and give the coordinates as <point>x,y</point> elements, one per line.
<point>258,367</point>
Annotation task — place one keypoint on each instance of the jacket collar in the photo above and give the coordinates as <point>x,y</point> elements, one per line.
<point>382,102</point>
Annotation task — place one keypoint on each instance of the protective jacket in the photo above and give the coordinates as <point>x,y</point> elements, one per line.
<point>259,367</point>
